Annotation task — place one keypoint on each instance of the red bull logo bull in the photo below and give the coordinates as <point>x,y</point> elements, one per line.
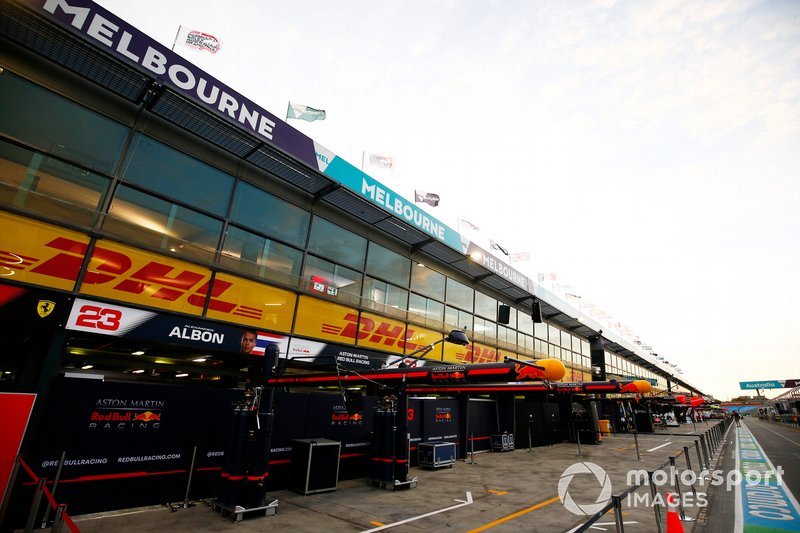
<point>525,372</point>
<point>147,416</point>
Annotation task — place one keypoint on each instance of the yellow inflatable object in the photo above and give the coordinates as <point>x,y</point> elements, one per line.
<point>553,368</point>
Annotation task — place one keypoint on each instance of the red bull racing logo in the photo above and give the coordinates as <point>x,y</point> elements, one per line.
<point>122,414</point>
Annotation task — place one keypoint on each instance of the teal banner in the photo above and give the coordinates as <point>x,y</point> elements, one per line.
<point>769,384</point>
<point>388,200</point>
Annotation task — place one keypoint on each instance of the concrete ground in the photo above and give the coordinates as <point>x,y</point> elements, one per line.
<point>499,491</point>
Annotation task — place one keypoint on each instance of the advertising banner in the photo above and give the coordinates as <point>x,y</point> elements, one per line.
<point>121,40</point>
<point>119,321</point>
<point>325,320</point>
<point>130,444</point>
<point>480,353</point>
<point>378,194</point>
<point>499,267</point>
<point>767,384</point>
<point>321,353</point>
<point>319,319</point>
<point>40,254</point>
<point>439,420</point>
<point>247,302</point>
<point>383,333</point>
<point>128,44</point>
<point>123,273</point>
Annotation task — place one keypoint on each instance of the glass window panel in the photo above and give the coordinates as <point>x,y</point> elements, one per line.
<point>259,256</point>
<point>157,167</point>
<point>506,334</point>
<point>485,329</point>
<point>384,295</point>
<point>512,318</point>
<point>58,126</point>
<point>268,214</point>
<point>529,342</point>
<point>144,219</point>
<point>347,282</point>
<point>428,281</point>
<point>428,310</point>
<point>540,330</point>
<point>459,295</point>
<point>524,323</point>
<point>554,335</point>
<point>566,340</point>
<point>388,265</point>
<point>458,319</point>
<point>336,243</point>
<point>485,306</point>
<point>30,181</point>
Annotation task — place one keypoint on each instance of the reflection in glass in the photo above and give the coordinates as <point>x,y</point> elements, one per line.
<point>258,256</point>
<point>388,265</point>
<point>329,279</point>
<point>268,214</point>
<point>337,244</point>
<point>459,295</point>
<point>157,167</point>
<point>427,281</point>
<point>47,187</point>
<point>144,219</point>
<point>385,297</point>
<point>58,126</point>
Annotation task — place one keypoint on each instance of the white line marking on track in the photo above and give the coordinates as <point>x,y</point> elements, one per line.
<point>594,526</point>
<point>782,436</point>
<point>657,447</point>
<point>413,518</point>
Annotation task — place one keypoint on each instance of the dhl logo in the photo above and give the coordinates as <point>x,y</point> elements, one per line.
<point>115,269</point>
<point>147,416</point>
<point>478,354</point>
<point>370,331</point>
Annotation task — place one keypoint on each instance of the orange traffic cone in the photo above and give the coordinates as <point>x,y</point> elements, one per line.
<point>674,524</point>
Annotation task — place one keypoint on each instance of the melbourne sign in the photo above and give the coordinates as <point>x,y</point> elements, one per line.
<point>127,43</point>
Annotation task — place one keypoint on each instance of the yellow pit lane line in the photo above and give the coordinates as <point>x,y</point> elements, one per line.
<point>514,515</point>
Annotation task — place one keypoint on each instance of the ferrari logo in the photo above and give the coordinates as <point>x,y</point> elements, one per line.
<point>45,307</point>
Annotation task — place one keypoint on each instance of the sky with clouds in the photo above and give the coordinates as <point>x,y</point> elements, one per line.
<point>647,152</point>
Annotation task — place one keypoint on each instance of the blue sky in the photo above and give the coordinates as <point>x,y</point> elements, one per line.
<point>647,152</point>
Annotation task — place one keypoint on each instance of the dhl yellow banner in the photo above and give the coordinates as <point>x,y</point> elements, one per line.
<point>325,320</point>
<point>575,375</point>
<point>123,273</point>
<point>319,319</point>
<point>418,337</point>
<point>40,254</point>
<point>381,333</point>
<point>481,353</point>
<point>247,302</point>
